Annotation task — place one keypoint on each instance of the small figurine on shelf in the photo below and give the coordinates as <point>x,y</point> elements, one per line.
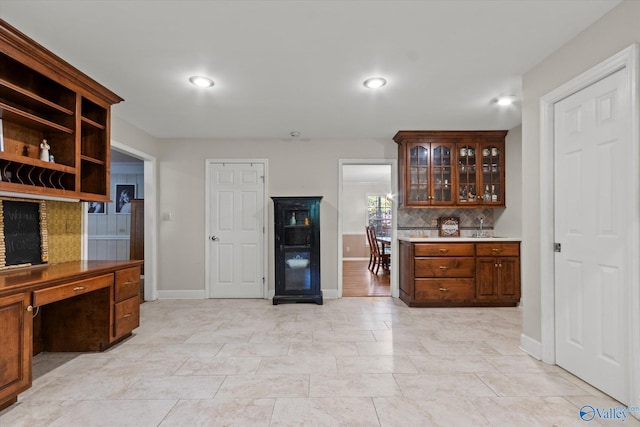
<point>293,219</point>
<point>44,151</point>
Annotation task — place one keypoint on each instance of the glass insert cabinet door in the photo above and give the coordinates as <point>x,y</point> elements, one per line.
<point>419,173</point>
<point>442,161</point>
<point>467,173</point>
<point>297,249</point>
<point>492,172</point>
<point>431,178</point>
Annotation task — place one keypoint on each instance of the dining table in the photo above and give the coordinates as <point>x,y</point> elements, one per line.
<point>385,242</point>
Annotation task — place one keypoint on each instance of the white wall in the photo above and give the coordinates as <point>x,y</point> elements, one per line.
<point>295,168</point>
<point>609,35</point>
<point>508,221</point>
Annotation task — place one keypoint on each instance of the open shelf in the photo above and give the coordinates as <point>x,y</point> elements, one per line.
<point>42,97</point>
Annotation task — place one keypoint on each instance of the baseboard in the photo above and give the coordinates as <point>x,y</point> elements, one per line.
<point>174,294</point>
<point>355,259</point>
<point>181,294</point>
<point>530,346</point>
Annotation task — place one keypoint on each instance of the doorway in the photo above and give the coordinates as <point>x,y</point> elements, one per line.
<point>590,299</point>
<point>366,189</point>
<point>113,244</point>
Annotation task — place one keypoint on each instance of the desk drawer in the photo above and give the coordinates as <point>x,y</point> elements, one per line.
<point>127,316</point>
<point>127,283</point>
<point>445,289</point>
<point>445,267</point>
<point>69,290</point>
<point>444,249</point>
<point>498,249</point>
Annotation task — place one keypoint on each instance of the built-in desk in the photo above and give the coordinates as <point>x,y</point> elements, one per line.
<point>71,306</point>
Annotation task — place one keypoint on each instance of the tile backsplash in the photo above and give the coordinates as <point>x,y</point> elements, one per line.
<point>425,221</point>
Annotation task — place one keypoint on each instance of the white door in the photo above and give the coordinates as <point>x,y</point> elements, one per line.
<point>236,230</point>
<point>592,143</point>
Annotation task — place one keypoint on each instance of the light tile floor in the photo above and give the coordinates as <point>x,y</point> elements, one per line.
<point>349,362</point>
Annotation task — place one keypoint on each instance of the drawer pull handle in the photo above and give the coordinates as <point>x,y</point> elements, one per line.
<point>79,288</point>
<point>127,315</point>
<point>128,282</point>
<point>443,267</point>
<point>443,289</point>
<point>443,250</point>
<point>496,250</point>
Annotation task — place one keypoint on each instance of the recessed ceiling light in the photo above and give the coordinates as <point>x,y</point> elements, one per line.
<point>375,82</point>
<point>201,81</point>
<point>506,100</point>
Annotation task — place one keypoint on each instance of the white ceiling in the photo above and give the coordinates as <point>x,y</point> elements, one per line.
<point>283,66</point>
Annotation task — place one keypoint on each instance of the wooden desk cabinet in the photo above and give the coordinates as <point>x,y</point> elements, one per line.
<point>459,274</point>
<point>80,306</point>
<point>16,346</point>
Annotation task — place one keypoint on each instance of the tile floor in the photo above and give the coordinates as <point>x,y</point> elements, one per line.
<point>351,362</point>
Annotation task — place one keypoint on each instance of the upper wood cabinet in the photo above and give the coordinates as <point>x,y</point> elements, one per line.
<point>42,97</point>
<point>451,168</point>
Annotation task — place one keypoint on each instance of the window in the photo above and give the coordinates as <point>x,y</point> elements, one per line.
<point>379,214</point>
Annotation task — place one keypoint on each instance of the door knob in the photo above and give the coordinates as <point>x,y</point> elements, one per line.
<point>214,238</point>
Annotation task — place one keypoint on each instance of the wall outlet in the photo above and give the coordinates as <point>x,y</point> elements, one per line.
<point>122,230</point>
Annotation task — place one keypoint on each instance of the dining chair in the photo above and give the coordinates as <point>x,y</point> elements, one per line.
<point>378,257</point>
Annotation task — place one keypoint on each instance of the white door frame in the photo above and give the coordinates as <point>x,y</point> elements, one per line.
<point>628,58</point>
<point>395,292</point>
<point>265,222</point>
<point>150,220</point>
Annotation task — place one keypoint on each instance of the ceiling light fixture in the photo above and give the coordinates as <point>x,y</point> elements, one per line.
<point>375,82</point>
<point>201,81</point>
<point>506,100</point>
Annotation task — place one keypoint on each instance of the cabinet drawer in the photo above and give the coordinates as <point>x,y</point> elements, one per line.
<point>443,249</point>
<point>444,267</point>
<point>127,316</point>
<point>127,283</point>
<point>498,249</point>
<point>69,290</point>
<point>445,289</point>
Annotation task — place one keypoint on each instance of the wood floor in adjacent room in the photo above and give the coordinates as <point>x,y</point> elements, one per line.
<point>358,281</point>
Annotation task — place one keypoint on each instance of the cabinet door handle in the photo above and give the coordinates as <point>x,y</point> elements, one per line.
<point>127,315</point>
<point>443,289</point>
<point>30,308</point>
<point>128,282</point>
<point>443,267</point>
<point>79,288</point>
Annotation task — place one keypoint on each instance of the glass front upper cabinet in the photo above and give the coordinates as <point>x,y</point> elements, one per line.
<point>451,168</point>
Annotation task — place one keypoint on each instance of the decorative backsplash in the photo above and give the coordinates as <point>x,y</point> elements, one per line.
<point>65,231</point>
<point>425,221</point>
